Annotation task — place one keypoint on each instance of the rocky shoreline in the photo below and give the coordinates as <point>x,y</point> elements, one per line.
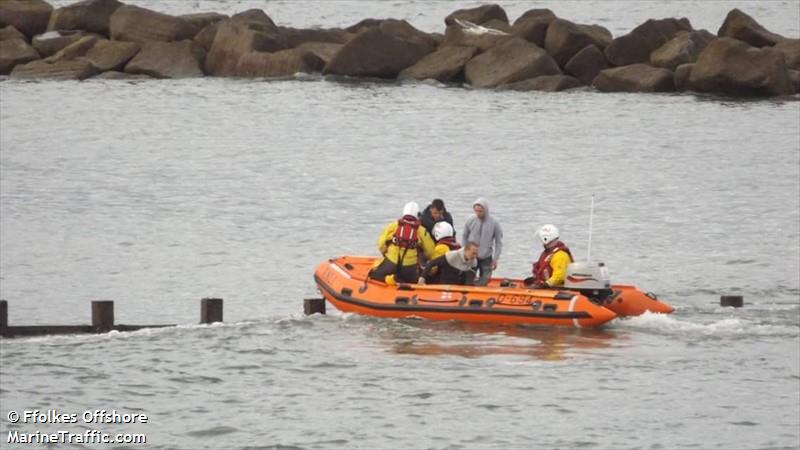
<point>479,47</point>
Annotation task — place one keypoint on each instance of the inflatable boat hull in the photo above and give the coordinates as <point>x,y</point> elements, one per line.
<point>343,282</point>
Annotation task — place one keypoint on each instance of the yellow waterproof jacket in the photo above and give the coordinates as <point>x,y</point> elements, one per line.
<point>393,252</point>
<point>439,250</point>
<point>558,268</point>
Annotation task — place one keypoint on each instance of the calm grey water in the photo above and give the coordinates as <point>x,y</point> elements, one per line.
<point>158,193</point>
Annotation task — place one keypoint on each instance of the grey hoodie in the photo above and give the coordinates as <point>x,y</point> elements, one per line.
<point>457,261</point>
<point>487,233</point>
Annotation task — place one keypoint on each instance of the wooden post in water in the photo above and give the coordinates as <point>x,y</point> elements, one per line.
<point>210,310</point>
<point>313,306</point>
<point>3,314</point>
<point>736,301</point>
<point>103,315</point>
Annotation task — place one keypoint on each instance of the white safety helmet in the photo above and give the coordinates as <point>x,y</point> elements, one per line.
<point>411,209</point>
<point>547,233</point>
<point>442,230</point>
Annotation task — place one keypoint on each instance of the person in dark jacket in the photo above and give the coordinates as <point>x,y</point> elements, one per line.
<point>454,267</point>
<point>433,213</point>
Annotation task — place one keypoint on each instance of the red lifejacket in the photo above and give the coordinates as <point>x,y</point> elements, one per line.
<point>541,268</point>
<point>405,236</point>
<point>449,242</point>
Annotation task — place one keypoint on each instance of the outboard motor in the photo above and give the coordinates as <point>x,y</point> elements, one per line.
<point>590,279</point>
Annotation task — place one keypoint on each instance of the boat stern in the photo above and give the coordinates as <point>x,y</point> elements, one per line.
<point>630,301</point>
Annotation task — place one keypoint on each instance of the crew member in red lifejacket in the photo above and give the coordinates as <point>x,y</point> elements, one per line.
<point>551,268</point>
<point>445,237</point>
<point>399,243</point>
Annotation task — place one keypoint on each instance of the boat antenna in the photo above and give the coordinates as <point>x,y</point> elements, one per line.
<point>589,247</point>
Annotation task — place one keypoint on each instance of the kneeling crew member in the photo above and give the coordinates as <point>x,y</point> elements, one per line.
<point>444,235</point>
<point>399,243</point>
<point>454,267</point>
<point>551,268</point>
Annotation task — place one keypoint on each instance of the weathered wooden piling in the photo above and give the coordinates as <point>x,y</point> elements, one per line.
<point>210,310</point>
<point>103,315</point>
<point>736,301</point>
<point>3,314</point>
<point>313,306</point>
<point>102,322</point>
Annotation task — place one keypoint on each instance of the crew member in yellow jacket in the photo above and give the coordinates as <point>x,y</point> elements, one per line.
<point>551,268</point>
<point>399,243</point>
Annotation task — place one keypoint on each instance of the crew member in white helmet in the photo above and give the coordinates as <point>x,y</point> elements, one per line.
<point>551,268</point>
<point>444,235</point>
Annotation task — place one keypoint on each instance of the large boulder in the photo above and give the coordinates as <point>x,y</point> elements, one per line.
<point>241,34</point>
<point>635,78</point>
<point>77,49</point>
<point>374,53</point>
<point>794,75</point>
<point>202,20</point>
<point>791,52</point>
<point>445,64</point>
<point>364,25</point>
<point>456,35</point>
<point>546,83</point>
<point>88,15</point>
<point>587,63</point>
<point>729,66</point>
<point>296,37</point>
<point>682,74</point>
<point>10,32</point>
<point>600,35</point>
<point>682,49</point>
<point>182,59</point>
<point>205,37</point>
<point>237,37</point>
<point>324,50</point>
<point>405,31</point>
<point>497,25</point>
<point>478,15</point>
<point>28,16</point>
<point>53,41</point>
<point>536,13</point>
<point>564,39</point>
<point>739,25</point>
<point>112,55</point>
<point>256,17</point>
<point>72,69</point>
<point>284,63</point>
<point>115,75</point>
<point>135,24</point>
<point>14,52</point>
<point>532,25</point>
<point>636,46</point>
<point>514,60</point>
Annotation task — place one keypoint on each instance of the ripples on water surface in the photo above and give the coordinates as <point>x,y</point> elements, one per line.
<point>157,193</point>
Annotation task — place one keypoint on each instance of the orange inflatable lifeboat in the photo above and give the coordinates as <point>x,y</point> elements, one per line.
<point>344,283</point>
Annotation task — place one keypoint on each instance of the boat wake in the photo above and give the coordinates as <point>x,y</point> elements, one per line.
<point>726,327</point>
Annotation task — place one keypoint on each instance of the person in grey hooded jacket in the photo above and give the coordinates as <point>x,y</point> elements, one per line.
<point>484,230</point>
